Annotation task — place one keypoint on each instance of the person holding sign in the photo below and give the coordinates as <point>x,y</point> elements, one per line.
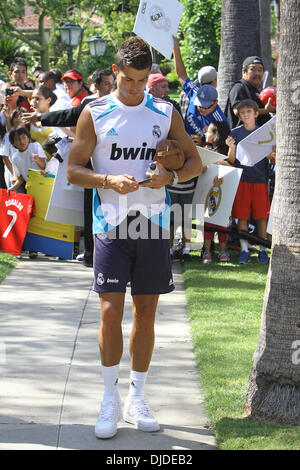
<point>203,101</point>
<point>121,132</point>
<point>252,192</point>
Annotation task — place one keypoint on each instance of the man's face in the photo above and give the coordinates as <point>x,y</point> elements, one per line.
<point>48,83</point>
<point>18,74</point>
<point>254,74</point>
<point>206,111</point>
<point>131,84</point>
<point>160,89</point>
<point>106,85</point>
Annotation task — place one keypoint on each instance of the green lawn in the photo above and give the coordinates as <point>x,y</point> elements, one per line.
<point>224,307</point>
<point>7,262</point>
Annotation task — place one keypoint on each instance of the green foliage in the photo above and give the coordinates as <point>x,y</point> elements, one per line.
<point>172,79</point>
<point>7,262</point>
<point>9,48</point>
<point>90,63</point>
<point>201,29</point>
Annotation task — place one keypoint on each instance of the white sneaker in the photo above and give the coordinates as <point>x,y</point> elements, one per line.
<point>110,415</point>
<point>138,412</point>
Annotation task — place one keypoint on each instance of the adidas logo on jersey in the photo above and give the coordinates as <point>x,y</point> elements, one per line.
<point>140,153</point>
<point>112,131</point>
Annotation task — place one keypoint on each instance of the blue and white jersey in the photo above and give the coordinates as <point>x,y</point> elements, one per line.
<point>194,122</point>
<point>127,137</point>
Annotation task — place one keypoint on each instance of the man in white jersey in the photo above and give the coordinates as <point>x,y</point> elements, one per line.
<point>120,132</point>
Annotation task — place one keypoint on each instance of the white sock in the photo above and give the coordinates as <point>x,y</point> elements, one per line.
<point>137,382</point>
<point>244,245</point>
<point>186,251</point>
<point>171,251</point>
<point>110,377</point>
<point>262,248</point>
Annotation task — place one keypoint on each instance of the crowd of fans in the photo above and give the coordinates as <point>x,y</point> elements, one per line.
<point>37,111</point>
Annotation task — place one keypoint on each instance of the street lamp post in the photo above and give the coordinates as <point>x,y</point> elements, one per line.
<point>70,36</point>
<point>97,45</point>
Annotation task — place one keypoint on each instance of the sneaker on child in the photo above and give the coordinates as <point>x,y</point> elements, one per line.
<point>263,257</point>
<point>137,411</point>
<point>244,257</point>
<point>207,258</point>
<point>224,256</point>
<point>110,415</point>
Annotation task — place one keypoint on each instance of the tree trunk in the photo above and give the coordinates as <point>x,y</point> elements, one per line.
<point>265,37</point>
<point>274,382</point>
<point>240,38</point>
<point>43,43</point>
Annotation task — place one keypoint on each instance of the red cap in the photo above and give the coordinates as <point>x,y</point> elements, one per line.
<point>72,75</point>
<point>155,78</point>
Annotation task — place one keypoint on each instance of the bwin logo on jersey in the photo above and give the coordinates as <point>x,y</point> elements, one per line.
<point>131,153</point>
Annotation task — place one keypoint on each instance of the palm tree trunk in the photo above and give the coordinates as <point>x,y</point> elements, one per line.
<point>240,38</point>
<point>274,382</point>
<point>265,37</point>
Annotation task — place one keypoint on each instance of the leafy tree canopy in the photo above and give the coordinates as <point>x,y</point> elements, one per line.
<point>201,29</point>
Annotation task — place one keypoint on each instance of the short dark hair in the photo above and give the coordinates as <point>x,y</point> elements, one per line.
<point>47,93</point>
<point>18,131</point>
<point>57,74</point>
<point>38,69</point>
<point>247,104</point>
<point>99,73</point>
<point>220,131</point>
<point>17,61</point>
<point>134,52</point>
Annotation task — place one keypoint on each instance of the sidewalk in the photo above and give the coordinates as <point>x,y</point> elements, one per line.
<point>50,379</point>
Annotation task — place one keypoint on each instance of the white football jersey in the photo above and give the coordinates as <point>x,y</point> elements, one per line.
<point>127,137</point>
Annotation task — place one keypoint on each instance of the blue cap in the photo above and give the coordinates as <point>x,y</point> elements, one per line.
<point>206,95</point>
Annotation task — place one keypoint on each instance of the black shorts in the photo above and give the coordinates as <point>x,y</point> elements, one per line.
<point>144,261</point>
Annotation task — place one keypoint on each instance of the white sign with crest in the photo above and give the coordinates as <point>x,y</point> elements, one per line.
<point>157,23</point>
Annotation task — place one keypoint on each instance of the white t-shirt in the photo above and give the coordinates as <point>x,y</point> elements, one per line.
<point>7,150</point>
<point>59,104</point>
<point>127,137</point>
<point>62,94</point>
<point>22,161</point>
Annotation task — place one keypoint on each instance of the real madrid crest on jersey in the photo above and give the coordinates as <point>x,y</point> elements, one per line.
<point>213,198</point>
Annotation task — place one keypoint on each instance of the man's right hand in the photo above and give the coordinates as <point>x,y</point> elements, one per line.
<point>122,184</point>
<point>30,118</point>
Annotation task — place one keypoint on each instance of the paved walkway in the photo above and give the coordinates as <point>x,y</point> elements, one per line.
<point>50,379</point>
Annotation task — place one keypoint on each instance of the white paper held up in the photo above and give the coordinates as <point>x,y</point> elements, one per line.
<point>258,144</point>
<point>157,23</point>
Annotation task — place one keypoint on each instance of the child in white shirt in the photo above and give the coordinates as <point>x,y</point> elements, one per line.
<point>27,155</point>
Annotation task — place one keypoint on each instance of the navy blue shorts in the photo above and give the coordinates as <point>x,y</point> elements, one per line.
<point>145,262</point>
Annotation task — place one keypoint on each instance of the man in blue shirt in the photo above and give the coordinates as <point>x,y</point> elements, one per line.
<point>203,101</point>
